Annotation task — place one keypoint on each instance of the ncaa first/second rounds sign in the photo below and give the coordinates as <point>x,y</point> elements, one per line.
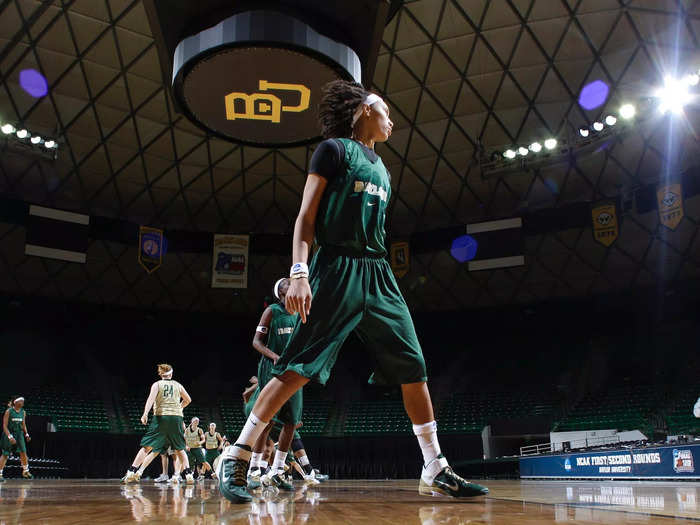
<point>255,78</point>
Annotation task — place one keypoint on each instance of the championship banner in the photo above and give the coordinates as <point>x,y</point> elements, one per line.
<point>605,223</point>
<point>230,261</point>
<point>400,259</point>
<point>670,200</point>
<point>150,248</point>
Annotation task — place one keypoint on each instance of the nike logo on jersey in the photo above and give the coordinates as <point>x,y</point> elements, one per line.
<point>371,203</point>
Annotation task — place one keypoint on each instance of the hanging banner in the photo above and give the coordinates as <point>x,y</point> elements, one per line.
<point>230,261</point>
<point>670,200</point>
<point>605,223</point>
<point>400,259</point>
<point>151,248</point>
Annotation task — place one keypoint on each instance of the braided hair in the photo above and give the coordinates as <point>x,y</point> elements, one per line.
<point>338,104</point>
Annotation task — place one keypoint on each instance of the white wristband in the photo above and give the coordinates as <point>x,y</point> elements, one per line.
<point>11,436</point>
<point>299,269</point>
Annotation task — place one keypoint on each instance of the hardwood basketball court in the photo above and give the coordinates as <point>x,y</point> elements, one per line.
<point>356,501</point>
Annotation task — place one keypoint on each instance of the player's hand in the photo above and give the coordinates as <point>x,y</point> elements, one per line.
<point>299,298</point>
<point>13,441</point>
<point>187,448</point>
<point>275,359</point>
<point>144,419</point>
<point>27,438</point>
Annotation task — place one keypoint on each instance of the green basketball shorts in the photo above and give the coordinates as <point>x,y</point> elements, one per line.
<point>7,446</point>
<point>354,294</point>
<point>164,432</point>
<point>195,456</point>
<point>211,454</point>
<point>290,413</point>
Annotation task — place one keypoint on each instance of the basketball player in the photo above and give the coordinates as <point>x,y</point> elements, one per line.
<point>212,444</point>
<point>167,398</point>
<point>308,474</point>
<point>165,456</point>
<point>271,335</point>
<point>194,439</point>
<point>15,435</point>
<point>696,408</point>
<point>352,286</point>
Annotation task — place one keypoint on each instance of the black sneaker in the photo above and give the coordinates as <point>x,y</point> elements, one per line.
<point>447,483</point>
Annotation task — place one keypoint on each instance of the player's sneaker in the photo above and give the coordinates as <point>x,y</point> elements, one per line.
<point>447,483</point>
<point>27,475</point>
<point>2,480</point>
<point>254,479</point>
<point>232,475</point>
<point>310,479</point>
<point>320,477</point>
<point>163,478</point>
<point>276,479</point>
<point>130,477</point>
<point>175,480</point>
<point>189,478</point>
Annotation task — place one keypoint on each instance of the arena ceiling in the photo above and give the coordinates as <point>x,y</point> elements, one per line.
<point>461,77</point>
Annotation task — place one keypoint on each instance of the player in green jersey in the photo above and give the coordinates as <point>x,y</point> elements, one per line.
<point>352,286</point>
<point>15,435</point>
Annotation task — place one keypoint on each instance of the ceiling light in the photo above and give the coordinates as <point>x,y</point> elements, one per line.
<point>523,151</point>
<point>673,95</point>
<point>584,132</point>
<point>692,79</point>
<point>7,129</point>
<point>35,139</point>
<point>509,154</point>
<point>550,143</point>
<point>22,133</point>
<point>627,111</point>
<point>49,144</point>
<point>598,126</point>
<point>610,120</point>
<point>535,147</point>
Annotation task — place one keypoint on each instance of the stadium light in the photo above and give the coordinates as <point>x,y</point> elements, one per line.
<point>692,80</point>
<point>49,144</point>
<point>22,134</point>
<point>598,126</point>
<point>550,143</point>
<point>610,120</point>
<point>584,132</point>
<point>7,129</point>
<point>523,151</point>
<point>35,139</point>
<point>535,147</point>
<point>509,154</point>
<point>628,111</point>
<point>674,95</point>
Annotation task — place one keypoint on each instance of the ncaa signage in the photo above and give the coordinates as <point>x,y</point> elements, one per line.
<point>255,78</point>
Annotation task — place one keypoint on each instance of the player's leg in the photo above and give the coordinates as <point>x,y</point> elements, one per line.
<point>276,475</point>
<point>258,465</point>
<point>164,465</point>
<point>304,461</point>
<point>3,461</point>
<point>131,473</point>
<point>147,461</point>
<point>387,330</point>
<point>24,461</point>
<point>310,354</point>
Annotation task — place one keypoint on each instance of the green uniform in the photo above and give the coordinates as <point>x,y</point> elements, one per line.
<point>281,328</point>
<point>14,425</point>
<point>211,445</point>
<point>352,283</point>
<point>248,407</point>
<point>166,427</point>
<point>192,439</point>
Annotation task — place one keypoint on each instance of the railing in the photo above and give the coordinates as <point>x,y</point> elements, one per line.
<point>544,448</point>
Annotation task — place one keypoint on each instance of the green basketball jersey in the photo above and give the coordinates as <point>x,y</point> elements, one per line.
<point>14,423</point>
<point>281,328</point>
<point>352,213</point>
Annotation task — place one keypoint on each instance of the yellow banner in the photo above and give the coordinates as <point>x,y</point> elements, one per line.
<point>605,223</point>
<point>400,259</point>
<point>670,200</point>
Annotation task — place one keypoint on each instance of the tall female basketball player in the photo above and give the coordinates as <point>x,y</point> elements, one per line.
<point>352,286</point>
<point>167,398</point>
<point>15,435</point>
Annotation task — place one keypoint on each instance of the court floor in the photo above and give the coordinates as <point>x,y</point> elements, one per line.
<point>356,501</point>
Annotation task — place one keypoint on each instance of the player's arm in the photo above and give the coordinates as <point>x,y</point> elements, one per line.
<point>219,440</point>
<point>5,429</point>
<point>24,427</point>
<point>149,402</point>
<point>261,334</point>
<point>185,398</point>
<point>696,408</point>
<point>201,438</point>
<point>249,392</point>
<point>299,293</point>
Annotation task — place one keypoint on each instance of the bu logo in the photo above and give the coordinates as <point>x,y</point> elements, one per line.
<point>266,106</point>
<point>668,199</point>
<point>604,218</point>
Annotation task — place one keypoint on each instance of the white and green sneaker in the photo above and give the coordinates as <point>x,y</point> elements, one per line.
<point>448,483</point>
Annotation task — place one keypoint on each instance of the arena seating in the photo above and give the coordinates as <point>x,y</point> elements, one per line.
<point>376,417</point>
<point>69,411</point>
<point>679,416</point>
<point>621,408</point>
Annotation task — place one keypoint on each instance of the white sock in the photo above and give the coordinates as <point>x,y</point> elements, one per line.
<point>1,472</point>
<point>278,464</point>
<point>303,460</point>
<point>249,435</point>
<point>25,468</point>
<point>262,464</point>
<point>427,440</point>
<point>255,460</point>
